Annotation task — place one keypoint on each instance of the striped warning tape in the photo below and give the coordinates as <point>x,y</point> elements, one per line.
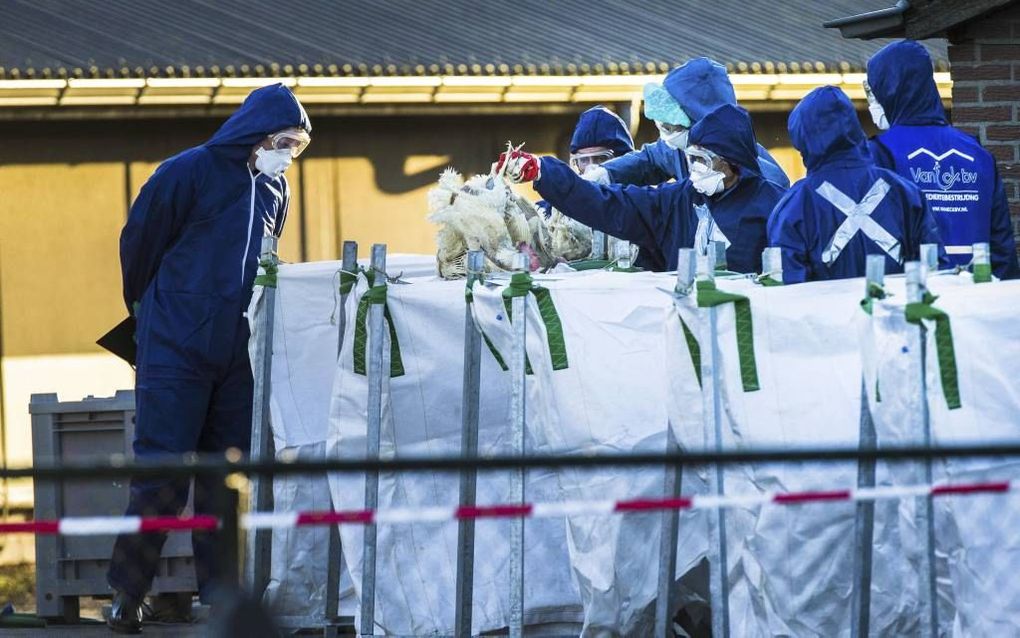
<point>104,525</point>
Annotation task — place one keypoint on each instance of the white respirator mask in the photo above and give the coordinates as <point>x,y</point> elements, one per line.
<point>875,109</point>
<point>705,180</point>
<point>273,163</point>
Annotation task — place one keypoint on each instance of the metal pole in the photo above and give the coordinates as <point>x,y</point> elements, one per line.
<point>864,516</point>
<point>348,264</point>
<point>598,244</point>
<point>260,542</point>
<point>469,449</point>
<point>518,391</point>
<point>772,263</point>
<point>375,382</point>
<point>621,253</point>
<point>929,258</point>
<point>712,397</point>
<point>982,263</point>
<point>334,550</point>
<point>718,248</point>
<point>672,479</point>
<point>916,287</point>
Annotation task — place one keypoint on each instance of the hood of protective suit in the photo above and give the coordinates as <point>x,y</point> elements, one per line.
<point>265,111</point>
<point>598,126</point>
<point>901,78</point>
<point>824,128</point>
<point>727,131</point>
<point>700,86</point>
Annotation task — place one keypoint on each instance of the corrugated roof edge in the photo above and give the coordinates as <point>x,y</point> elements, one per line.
<point>378,70</point>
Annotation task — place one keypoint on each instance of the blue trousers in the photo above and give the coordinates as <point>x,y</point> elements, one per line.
<point>180,411</point>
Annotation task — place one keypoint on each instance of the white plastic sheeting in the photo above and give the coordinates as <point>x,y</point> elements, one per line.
<point>629,377</point>
<point>416,563</point>
<point>975,536</point>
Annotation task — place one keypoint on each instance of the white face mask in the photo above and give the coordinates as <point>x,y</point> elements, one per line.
<point>878,115</point>
<point>705,180</point>
<point>676,141</point>
<point>273,163</point>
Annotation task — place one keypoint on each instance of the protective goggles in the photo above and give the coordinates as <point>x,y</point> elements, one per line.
<point>294,139</point>
<point>669,129</point>
<point>582,160</point>
<point>698,155</point>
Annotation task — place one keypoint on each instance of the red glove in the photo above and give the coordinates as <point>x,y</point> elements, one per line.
<point>520,166</point>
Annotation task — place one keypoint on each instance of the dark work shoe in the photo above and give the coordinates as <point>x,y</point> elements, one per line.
<point>125,614</point>
<point>167,609</point>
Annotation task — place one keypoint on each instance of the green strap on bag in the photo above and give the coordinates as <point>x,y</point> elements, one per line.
<point>693,347</point>
<point>874,292</point>
<point>267,277</point>
<point>708,297</point>
<point>945,352</point>
<point>521,285</point>
<point>982,273</point>
<point>375,295</point>
<point>347,281</point>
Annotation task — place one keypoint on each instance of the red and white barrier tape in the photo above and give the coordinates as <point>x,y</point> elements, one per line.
<point>104,525</point>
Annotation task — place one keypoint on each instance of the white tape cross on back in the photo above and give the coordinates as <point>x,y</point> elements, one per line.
<point>858,218</point>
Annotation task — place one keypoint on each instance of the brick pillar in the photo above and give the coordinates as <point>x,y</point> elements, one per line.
<point>984,58</point>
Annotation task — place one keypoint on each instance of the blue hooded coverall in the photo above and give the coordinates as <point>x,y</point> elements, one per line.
<point>189,255</point>
<point>598,126</point>
<point>699,85</point>
<point>843,183</point>
<point>959,178</point>
<point>663,219</point>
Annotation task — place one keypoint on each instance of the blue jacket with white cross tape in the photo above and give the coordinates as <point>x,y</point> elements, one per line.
<point>957,176</point>
<point>846,208</point>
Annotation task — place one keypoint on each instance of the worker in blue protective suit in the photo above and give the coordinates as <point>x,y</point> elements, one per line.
<point>958,177</point>
<point>725,198</point>
<point>846,208</point>
<point>189,255</point>
<point>687,94</point>
<point>599,136</point>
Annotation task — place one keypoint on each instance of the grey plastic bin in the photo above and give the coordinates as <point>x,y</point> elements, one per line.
<point>67,567</point>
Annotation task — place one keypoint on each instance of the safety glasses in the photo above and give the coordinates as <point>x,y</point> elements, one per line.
<point>697,155</point>
<point>294,139</point>
<point>582,160</point>
<point>669,129</point>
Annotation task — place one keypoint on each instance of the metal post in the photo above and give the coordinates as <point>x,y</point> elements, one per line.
<point>772,263</point>
<point>348,264</point>
<point>518,402</point>
<point>598,244</point>
<point>930,258</point>
<point>982,263</point>
<point>718,249</point>
<point>672,478</point>
<point>712,400</point>
<point>864,516</point>
<point>916,286</point>
<point>334,549</point>
<point>375,381</point>
<point>468,449</point>
<point>260,542</point>
<point>621,253</point>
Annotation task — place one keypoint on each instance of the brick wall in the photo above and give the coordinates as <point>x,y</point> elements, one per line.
<point>984,58</point>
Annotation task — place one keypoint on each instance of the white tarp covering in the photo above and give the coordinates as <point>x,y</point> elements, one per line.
<point>975,536</point>
<point>629,377</point>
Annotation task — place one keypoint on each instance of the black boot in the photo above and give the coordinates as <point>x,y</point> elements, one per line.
<point>125,614</point>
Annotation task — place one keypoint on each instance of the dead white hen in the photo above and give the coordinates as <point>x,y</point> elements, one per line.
<point>485,214</point>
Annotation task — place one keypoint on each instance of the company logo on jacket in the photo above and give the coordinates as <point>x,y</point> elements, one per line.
<point>946,178</point>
